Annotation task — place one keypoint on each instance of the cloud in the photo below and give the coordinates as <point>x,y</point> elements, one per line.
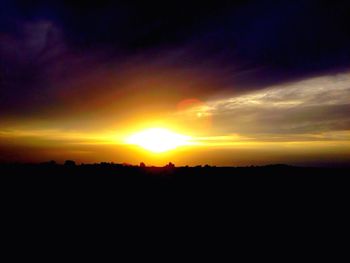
<point>43,75</point>
<point>37,66</point>
<point>292,111</point>
<point>26,60</point>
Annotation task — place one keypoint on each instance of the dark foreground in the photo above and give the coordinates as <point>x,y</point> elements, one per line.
<point>114,179</point>
<point>257,196</point>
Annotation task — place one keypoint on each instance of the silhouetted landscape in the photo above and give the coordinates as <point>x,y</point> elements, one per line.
<point>121,189</point>
<point>122,171</point>
<point>122,177</point>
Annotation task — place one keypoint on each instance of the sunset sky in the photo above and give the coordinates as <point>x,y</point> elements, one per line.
<point>192,82</point>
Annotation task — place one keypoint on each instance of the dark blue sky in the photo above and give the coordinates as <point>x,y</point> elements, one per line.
<point>281,34</point>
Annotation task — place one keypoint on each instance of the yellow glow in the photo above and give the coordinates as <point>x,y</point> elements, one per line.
<point>158,140</point>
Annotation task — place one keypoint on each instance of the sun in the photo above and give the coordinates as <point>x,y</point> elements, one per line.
<point>158,140</point>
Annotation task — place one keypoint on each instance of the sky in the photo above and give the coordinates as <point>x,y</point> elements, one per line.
<point>247,82</point>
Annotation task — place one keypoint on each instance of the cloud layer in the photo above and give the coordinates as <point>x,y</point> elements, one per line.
<point>308,109</point>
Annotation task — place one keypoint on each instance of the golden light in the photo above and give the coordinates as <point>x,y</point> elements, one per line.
<point>158,140</point>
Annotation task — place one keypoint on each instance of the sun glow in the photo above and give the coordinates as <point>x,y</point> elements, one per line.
<point>158,140</point>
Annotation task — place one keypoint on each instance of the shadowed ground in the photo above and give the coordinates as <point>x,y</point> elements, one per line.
<point>106,178</point>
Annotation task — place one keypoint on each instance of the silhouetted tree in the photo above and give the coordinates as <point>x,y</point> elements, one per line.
<point>142,165</point>
<point>170,165</point>
<point>69,163</point>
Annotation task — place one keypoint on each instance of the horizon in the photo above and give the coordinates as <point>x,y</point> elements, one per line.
<point>70,162</point>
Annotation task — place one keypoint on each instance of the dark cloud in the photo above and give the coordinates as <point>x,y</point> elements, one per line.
<point>75,55</point>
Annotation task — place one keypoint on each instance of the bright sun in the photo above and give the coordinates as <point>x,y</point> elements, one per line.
<point>157,139</point>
